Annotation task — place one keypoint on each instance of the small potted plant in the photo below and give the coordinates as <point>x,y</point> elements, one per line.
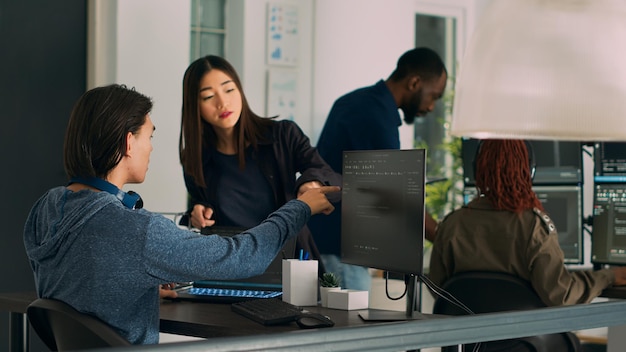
<point>328,282</point>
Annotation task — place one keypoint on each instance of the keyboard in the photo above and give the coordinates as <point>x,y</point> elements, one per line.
<point>270,311</point>
<point>228,295</point>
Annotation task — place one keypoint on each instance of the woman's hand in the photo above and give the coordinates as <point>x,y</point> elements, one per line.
<point>309,185</point>
<point>201,216</point>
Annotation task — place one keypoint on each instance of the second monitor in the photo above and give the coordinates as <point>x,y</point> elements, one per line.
<point>564,206</point>
<point>557,162</point>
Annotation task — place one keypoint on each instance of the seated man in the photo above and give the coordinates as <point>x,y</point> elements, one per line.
<point>92,247</point>
<point>504,229</point>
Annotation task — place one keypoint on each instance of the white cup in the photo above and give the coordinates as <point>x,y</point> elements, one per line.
<point>300,282</point>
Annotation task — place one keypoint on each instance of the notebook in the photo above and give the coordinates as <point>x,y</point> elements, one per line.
<point>266,285</point>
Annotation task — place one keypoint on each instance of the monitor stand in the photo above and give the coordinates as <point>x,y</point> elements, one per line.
<point>412,307</point>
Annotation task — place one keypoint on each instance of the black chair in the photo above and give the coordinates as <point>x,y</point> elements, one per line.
<point>63,328</point>
<point>488,292</point>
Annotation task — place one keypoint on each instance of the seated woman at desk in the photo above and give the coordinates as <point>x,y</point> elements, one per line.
<point>91,247</point>
<point>505,229</point>
<point>239,167</point>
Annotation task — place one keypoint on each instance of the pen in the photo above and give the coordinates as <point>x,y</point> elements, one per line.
<point>301,254</point>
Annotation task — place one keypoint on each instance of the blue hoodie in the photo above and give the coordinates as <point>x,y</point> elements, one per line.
<point>88,250</point>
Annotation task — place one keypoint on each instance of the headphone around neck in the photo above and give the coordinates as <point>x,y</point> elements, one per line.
<point>532,164</point>
<point>131,200</point>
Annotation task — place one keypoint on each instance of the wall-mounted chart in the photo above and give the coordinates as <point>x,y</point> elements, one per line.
<point>281,93</point>
<point>282,34</point>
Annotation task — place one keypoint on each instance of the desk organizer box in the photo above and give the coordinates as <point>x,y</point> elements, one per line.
<point>348,299</point>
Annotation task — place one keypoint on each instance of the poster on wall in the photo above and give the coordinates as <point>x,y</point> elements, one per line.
<point>282,34</point>
<point>281,93</point>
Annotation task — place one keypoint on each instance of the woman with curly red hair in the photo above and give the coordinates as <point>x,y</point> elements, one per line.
<point>505,229</point>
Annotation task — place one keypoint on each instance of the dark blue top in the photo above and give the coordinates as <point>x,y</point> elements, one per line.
<point>242,206</point>
<point>364,119</point>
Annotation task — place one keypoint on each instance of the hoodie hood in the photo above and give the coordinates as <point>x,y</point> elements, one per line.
<point>56,220</point>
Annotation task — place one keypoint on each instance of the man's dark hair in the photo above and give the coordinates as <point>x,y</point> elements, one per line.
<point>423,62</point>
<point>95,139</point>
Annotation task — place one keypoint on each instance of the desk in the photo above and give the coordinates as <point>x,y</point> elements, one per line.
<point>614,292</point>
<point>397,336</point>
<point>352,334</point>
<point>16,303</point>
<point>217,320</point>
<point>177,317</point>
<point>616,337</point>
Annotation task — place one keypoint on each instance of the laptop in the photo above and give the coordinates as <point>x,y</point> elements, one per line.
<point>266,285</point>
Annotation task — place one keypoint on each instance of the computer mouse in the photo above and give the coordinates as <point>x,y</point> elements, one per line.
<point>314,321</point>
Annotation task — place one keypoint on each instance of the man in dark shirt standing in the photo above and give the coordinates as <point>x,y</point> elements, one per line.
<point>368,119</point>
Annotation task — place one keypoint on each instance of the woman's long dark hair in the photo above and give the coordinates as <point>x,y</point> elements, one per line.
<point>503,175</point>
<point>194,131</point>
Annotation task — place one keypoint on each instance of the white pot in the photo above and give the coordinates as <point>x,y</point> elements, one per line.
<point>324,294</point>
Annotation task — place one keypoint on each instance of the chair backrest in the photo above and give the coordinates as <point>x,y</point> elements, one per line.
<point>63,328</point>
<point>488,292</point>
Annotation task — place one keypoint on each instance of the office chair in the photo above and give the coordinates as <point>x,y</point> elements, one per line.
<point>488,292</point>
<point>62,328</point>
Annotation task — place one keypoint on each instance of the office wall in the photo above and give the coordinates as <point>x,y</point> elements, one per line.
<point>145,44</point>
<point>246,23</point>
<point>378,32</point>
<point>42,70</point>
<point>342,45</point>
<point>357,42</point>
<point>150,42</point>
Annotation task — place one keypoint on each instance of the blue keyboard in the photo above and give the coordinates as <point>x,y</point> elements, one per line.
<point>226,295</point>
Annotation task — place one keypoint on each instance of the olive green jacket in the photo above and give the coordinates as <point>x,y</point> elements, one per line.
<point>477,237</point>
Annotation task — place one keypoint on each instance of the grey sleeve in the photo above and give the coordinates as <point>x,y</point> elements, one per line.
<point>178,255</point>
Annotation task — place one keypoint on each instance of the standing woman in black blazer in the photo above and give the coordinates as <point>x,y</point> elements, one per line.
<point>238,166</point>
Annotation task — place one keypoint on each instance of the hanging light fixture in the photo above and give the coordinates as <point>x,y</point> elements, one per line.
<point>545,69</point>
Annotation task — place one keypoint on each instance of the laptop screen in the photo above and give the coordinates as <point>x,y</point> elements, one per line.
<point>270,279</point>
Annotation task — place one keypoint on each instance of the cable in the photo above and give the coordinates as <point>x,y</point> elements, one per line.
<point>444,294</point>
<point>438,291</point>
<point>406,287</point>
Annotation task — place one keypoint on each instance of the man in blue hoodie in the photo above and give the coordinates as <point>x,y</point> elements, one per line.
<point>92,247</point>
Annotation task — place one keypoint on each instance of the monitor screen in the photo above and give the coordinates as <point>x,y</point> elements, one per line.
<point>564,206</point>
<point>608,242</point>
<point>557,162</point>
<point>382,211</point>
<point>610,162</point>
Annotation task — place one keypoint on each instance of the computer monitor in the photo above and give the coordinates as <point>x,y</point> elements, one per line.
<point>564,206</point>
<point>557,162</point>
<point>382,211</point>
<point>610,162</point>
<point>382,217</point>
<point>608,241</point>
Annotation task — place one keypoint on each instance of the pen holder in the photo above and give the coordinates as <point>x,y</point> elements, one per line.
<point>300,282</point>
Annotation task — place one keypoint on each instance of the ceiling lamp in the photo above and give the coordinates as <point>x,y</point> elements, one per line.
<point>544,69</point>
